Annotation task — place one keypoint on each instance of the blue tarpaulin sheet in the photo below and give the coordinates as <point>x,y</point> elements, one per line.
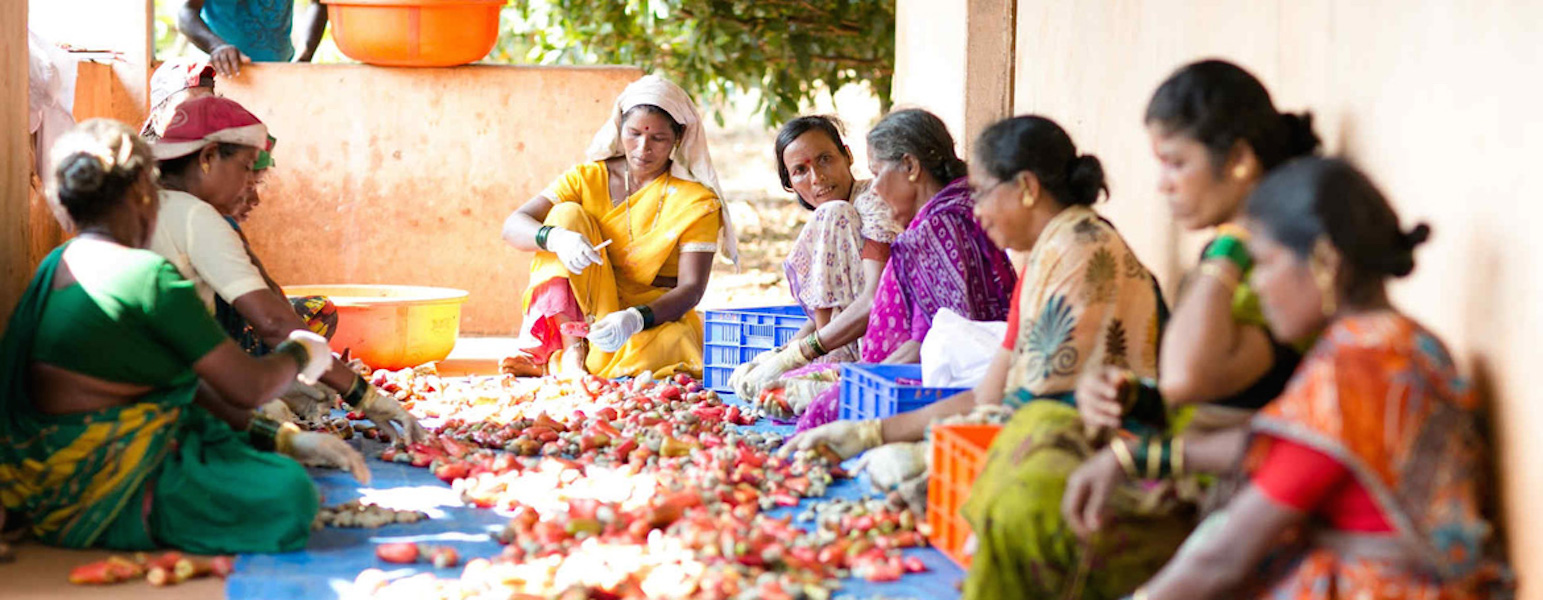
<point>334,557</point>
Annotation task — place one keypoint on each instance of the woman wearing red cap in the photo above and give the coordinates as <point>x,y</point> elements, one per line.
<point>206,159</point>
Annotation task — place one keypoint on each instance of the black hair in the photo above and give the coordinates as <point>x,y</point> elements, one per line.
<point>679,129</point>
<point>1328,198</point>
<point>920,134</point>
<point>830,126</point>
<point>1040,146</point>
<point>1217,103</point>
<point>93,172</point>
<point>176,167</point>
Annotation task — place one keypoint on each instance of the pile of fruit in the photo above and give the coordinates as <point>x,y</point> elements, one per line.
<point>355,514</point>
<point>640,489</point>
<point>170,568</point>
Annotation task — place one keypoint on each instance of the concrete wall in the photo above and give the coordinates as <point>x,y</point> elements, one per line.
<point>122,26</point>
<point>405,176</point>
<point>15,172</point>
<point>1437,100</point>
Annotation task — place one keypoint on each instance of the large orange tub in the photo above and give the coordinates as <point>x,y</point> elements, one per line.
<point>414,33</point>
<point>392,326</point>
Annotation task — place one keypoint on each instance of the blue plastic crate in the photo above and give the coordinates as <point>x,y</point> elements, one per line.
<point>734,336</point>
<point>870,391</point>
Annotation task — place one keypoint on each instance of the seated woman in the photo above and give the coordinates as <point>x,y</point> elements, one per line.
<point>124,405</point>
<point>1372,456</point>
<point>651,193</point>
<point>941,260</point>
<point>834,268</point>
<point>206,157</point>
<point>1084,299</point>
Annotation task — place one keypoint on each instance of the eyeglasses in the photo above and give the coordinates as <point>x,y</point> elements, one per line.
<point>977,193</point>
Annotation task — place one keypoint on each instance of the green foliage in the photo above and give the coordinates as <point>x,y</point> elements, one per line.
<point>789,51</point>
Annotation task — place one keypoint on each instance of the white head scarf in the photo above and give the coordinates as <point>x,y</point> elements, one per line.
<point>690,160</point>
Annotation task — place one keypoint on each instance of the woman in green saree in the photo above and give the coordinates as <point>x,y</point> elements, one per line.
<point>126,413</point>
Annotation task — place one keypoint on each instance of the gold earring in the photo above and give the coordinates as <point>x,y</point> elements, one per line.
<point>1240,172</point>
<point>911,178</point>
<point>145,199</point>
<point>1028,199</point>
<point>205,167</point>
<point>1325,280</point>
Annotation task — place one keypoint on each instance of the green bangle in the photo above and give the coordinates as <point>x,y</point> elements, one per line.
<point>541,235</point>
<point>1231,249</point>
<point>648,315</point>
<point>356,391</point>
<point>263,433</point>
<point>296,351</point>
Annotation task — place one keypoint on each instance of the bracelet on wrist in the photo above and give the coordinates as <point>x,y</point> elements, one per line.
<point>284,439</point>
<point>263,433</point>
<point>295,351</point>
<point>648,315</point>
<point>1123,456</point>
<point>541,235</point>
<point>1230,245</point>
<point>356,391</point>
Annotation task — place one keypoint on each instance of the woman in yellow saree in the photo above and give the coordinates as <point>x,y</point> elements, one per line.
<point>626,242</point>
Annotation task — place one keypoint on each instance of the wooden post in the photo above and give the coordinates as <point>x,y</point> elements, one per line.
<point>15,267</point>
<point>989,65</point>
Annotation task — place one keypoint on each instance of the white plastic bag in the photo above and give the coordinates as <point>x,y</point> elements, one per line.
<point>957,351</point>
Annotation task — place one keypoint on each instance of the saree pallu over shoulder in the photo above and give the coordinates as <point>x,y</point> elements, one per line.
<point>1382,396</point>
<point>944,260</point>
<point>72,475</point>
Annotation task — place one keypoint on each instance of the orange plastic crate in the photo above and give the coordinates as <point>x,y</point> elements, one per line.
<point>958,455</point>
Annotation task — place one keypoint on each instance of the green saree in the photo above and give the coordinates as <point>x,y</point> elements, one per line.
<point>160,472</point>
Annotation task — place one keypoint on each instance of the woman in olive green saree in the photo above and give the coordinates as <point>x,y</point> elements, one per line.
<point>122,398</point>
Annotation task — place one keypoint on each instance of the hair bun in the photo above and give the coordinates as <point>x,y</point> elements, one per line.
<point>1416,236</point>
<point>1085,178</point>
<point>82,173</point>
<point>1301,140</point>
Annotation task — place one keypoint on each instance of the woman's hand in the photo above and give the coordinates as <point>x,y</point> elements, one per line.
<point>892,464</point>
<point>739,381</point>
<point>384,411</point>
<point>786,359</point>
<point>572,250</point>
<point>610,333</point>
<point>1098,397</point>
<point>1088,491</point>
<point>846,438</point>
<point>323,449</point>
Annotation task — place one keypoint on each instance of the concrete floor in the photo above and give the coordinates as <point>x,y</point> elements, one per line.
<point>43,572</point>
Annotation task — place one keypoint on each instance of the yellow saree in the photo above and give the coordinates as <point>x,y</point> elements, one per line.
<point>649,231</point>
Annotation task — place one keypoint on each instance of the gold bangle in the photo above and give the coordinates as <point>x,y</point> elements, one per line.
<point>1177,457</point>
<point>284,440</point>
<point>1123,456</point>
<point>1218,270</point>
<point>1155,458</point>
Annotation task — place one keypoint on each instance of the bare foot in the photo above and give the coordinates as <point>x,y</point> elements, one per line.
<point>519,365</point>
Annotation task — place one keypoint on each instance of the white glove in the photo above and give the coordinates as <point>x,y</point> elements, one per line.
<point>737,380</point>
<point>572,249</point>
<point>891,464</point>
<point>319,356</point>
<point>785,359</point>
<point>323,449</point>
<point>612,332</point>
<point>306,401</point>
<point>384,411</point>
<point>278,411</point>
<point>846,438</point>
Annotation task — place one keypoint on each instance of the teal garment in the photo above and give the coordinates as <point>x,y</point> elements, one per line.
<point>258,28</point>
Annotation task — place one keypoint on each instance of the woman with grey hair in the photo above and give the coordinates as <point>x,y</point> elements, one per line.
<point>943,259</point>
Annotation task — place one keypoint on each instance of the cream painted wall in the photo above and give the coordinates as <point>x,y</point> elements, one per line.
<point>1438,100</point>
<point>930,58</point>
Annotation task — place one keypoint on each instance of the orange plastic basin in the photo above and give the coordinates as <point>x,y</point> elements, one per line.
<point>392,326</point>
<point>414,33</point>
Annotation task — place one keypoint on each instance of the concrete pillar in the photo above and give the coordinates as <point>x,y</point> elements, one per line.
<point>955,58</point>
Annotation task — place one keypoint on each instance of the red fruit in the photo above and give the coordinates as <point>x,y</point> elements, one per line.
<point>222,566</point>
<point>913,564</point>
<point>450,472</point>
<point>444,557</point>
<point>403,553</point>
<point>683,379</point>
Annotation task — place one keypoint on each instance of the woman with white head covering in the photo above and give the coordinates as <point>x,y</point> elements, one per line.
<point>626,242</point>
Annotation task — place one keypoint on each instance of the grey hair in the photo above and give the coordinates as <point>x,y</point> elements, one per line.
<point>920,134</point>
